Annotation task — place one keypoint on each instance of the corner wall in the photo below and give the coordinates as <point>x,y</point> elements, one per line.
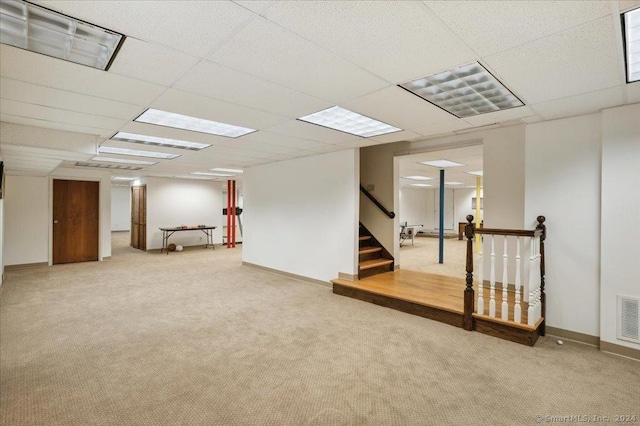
<point>301,215</point>
<point>120,208</point>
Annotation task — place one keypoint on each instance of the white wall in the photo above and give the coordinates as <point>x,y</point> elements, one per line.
<point>420,206</point>
<point>26,219</point>
<point>301,215</point>
<point>620,229</point>
<point>563,184</point>
<point>175,202</point>
<point>462,205</point>
<point>416,207</point>
<point>120,208</point>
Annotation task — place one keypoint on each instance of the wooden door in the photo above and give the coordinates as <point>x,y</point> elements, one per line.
<point>75,221</point>
<point>139,217</point>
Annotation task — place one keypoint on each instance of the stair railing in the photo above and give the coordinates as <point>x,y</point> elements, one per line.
<point>376,202</point>
<point>535,302</point>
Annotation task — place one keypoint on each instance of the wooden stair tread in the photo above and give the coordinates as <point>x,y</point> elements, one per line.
<point>374,263</point>
<point>372,249</point>
<point>364,237</point>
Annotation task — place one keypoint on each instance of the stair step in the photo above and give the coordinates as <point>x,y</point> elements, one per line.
<point>365,237</point>
<point>374,263</point>
<point>365,250</point>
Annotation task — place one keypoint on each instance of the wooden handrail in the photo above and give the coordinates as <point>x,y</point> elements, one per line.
<point>391,215</point>
<point>509,232</point>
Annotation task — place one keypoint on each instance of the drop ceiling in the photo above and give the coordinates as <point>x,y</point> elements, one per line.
<point>264,64</point>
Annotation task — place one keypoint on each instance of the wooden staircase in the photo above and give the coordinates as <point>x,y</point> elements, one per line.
<point>372,257</point>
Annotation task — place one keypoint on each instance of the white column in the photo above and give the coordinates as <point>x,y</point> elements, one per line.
<point>517,309</point>
<point>505,283</point>
<point>492,282</point>
<point>480,277</point>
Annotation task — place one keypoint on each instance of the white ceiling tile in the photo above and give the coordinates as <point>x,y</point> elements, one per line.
<point>359,143</point>
<point>327,148</point>
<point>180,102</point>
<point>532,119</point>
<point>256,6</point>
<point>279,139</point>
<point>300,129</point>
<point>275,54</point>
<point>444,127</point>
<point>222,83</point>
<point>41,95</point>
<point>633,92</point>
<point>238,152</point>
<point>628,4</point>
<point>583,59</point>
<point>398,41</point>
<point>194,27</point>
<point>151,62</point>
<point>22,109</point>
<point>43,138</point>
<point>492,26</point>
<point>254,145</point>
<point>403,135</point>
<point>29,121</point>
<point>581,104</point>
<point>396,106</point>
<point>43,70</point>
<point>498,116</point>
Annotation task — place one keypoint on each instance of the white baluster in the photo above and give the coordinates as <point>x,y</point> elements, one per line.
<point>531,320</point>
<point>480,283</point>
<point>505,283</point>
<point>538,281</point>
<point>492,280</point>
<point>517,309</point>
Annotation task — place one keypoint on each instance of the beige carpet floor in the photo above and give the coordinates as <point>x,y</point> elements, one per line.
<point>195,338</point>
<point>423,256</point>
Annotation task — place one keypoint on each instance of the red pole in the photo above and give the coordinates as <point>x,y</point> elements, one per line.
<point>233,217</point>
<point>228,214</point>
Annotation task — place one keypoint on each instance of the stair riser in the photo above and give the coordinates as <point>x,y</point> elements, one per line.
<point>374,271</point>
<point>369,256</point>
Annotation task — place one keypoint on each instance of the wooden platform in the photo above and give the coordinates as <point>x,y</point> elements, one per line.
<point>436,297</point>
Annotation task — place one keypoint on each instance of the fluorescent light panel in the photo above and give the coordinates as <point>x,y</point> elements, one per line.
<point>454,183</point>
<point>35,28</point>
<point>631,20</point>
<point>417,177</point>
<point>185,122</point>
<point>464,91</point>
<point>477,173</point>
<point>107,166</point>
<point>441,163</point>
<point>194,177</point>
<point>123,160</point>
<point>123,178</point>
<point>222,169</point>
<point>153,140</point>
<point>341,119</point>
<point>210,174</point>
<point>136,153</point>
<point>420,184</point>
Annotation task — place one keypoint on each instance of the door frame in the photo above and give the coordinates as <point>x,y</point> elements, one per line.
<point>103,202</point>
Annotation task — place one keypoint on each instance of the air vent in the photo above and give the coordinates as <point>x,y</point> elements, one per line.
<point>628,318</point>
<point>107,166</point>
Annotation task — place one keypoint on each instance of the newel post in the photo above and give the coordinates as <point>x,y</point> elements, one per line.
<point>541,226</point>
<point>467,320</point>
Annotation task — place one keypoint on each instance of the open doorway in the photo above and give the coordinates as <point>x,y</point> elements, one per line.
<point>419,207</point>
<point>120,219</point>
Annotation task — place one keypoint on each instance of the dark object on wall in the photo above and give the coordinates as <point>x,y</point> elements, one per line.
<point>1,178</point>
<point>238,211</point>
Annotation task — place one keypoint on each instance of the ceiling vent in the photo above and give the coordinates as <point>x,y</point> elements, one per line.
<point>628,318</point>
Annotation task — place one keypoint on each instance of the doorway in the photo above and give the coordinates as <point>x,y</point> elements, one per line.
<point>139,217</point>
<point>75,221</point>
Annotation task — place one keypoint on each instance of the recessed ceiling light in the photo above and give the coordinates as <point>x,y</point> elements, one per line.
<point>631,28</point>
<point>464,91</point>
<point>153,140</point>
<point>136,153</point>
<point>341,119</point>
<point>123,160</point>
<point>420,184</point>
<point>417,177</point>
<point>123,178</point>
<point>454,183</point>
<point>41,30</point>
<point>107,166</point>
<point>441,163</point>
<point>478,173</point>
<point>222,169</point>
<point>210,174</point>
<point>186,122</point>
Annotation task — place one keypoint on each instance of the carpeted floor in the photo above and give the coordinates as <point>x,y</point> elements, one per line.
<point>195,338</point>
<point>423,256</point>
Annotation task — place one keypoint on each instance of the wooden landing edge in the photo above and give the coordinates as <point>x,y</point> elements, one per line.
<point>422,310</point>
<point>518,333</point>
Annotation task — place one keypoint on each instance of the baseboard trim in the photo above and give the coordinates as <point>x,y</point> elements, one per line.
<point>347,277</point>
<point>25,266</point>
<point>620,350</point>
<point>289,275</point>
<point>586,339</point>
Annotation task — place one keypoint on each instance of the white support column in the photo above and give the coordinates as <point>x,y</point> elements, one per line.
<point>531,316</point>
<point>505,283</point>
<point>517,309</point>
<point>492,282</point>
<point>480,307</point>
